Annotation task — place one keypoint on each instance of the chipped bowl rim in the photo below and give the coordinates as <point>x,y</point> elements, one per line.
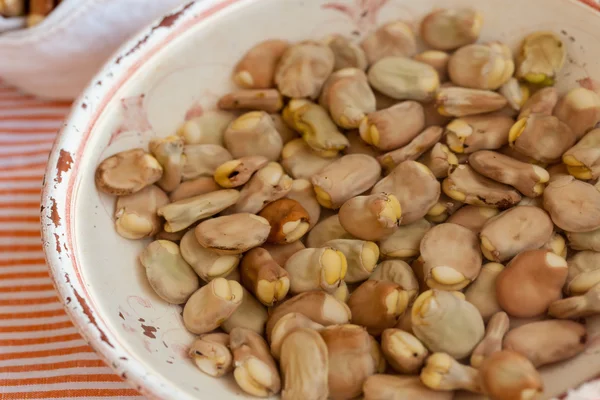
<point>61,179</point>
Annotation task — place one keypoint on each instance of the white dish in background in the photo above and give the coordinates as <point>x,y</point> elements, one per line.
<point>57,58</point>
<point>176,69</point>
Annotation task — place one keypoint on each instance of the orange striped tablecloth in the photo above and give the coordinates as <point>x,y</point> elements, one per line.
<point>42,356</point>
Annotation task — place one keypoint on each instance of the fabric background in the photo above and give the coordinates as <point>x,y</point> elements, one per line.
<point>42,355</point>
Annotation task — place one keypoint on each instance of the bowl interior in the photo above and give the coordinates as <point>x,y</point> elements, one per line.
<point>178,73</point>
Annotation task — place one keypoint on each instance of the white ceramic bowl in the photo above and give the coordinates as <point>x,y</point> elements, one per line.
<point>174,70</point>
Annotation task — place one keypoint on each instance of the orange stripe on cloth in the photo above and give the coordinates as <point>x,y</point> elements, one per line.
<point>20,247</point>
<point>36,328</point>
<point>26,288</point>
<point>23,204</point>
<point>23,275</point>
<point>33,314</point>
<point>20,234</point>
<point>19,218</point>
<point>61,379</point>
<point>22,261</point>
<point>46,353</point>
<point>29,302</point>
<point>74,393</point>
<point>41,340</point>
<point>51,366</point>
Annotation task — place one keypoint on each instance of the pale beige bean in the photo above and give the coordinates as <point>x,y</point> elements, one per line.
<point>168,274</point>
<point>268,100</point>
<point>449,29</point>
<point>482,292</point>
<point>393,127</point>
<point>466,185</point>
<point>371,217</point>
<point>442,372</point>
<point>460,102</point>
<point>438,60</point>
<point>439,159</point>
<point>315,125</point>
<point>547,342</point>
<point>288,324</point>
<point>377,305</point>
<point>526,178</point>
<point>208,128</point>
<point>212,304</point>
<point>392,39</point>
<point>256,69</point>
<point>316,269</point>
<point>495,332</point>
<point>183,213</point>
<point>513,231</point>
<point>288,219</point>
<point>302,162</point>
<point>303,69</point>
<point>255,370</point>
<point>573,205</point>
<point>347,53</point>
<point>405,241</point>
<point>169,153</point>
<point>541,137</point>
<point>584,272</point>
<point>253,134</point>
<point>398,387</point>
<point>359,146</point>
<point>268,184</point>
<point>287,133</point>
<point>404,79</point>
<point>443,209</point>
<point>541,57</point>
<point>282,252</point>
<point>473,217</point>
<point>127,172</point>
<point>194,187</point>
<point>304,365</point>
<point>451,257</point>
<point>445,322</point>
<point>210,352</point>
<point>361,257</point>
<point>233,234</point>
<point>250,314</point>
<point>345,178</point>
<point>202,160</point>
<point>302,191</point>
<point>516,93</point>
<point>584,240</point>
<point>135,214</point>
<point>400,273</point>
<point>481,66</point>
<point>582,306</point>
<point>531,282</point>
<point>478,132</point>
<point>351,362</point>
<point>348,97</point>
<point>583,159</point>
<point>405,353</point>
<point>236,173</point>
<point>580,109</point>
<point>206,263</point>
<point>264,277</point>
<point>415,187</point>
<point>541,102</point>
<point>327,229</point>
<point>507,375</point>
<point>419,145</point>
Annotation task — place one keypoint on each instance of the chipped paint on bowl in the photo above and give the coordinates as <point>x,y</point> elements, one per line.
<point>175,70</point>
